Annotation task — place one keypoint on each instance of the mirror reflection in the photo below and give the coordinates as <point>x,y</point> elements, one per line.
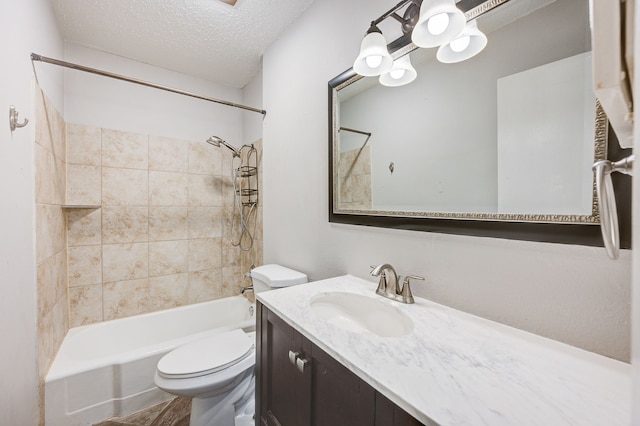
<point>509,134</point>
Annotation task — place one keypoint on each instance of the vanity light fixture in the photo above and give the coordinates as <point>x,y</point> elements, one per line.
<point>468,44</point>
<point>431,23</point>
<point>440,22</point>
<point>402,73</point>
<point>374,58</point>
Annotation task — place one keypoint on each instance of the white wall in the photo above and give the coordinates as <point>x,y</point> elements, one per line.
<point>569,293</point>
<point>103,102</point>
<point>427,157</point>
<point>252,121</point>
<point>547,184</point>
<point>25,26</point>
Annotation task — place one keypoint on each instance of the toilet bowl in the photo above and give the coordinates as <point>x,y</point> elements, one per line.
<point>217,372</point>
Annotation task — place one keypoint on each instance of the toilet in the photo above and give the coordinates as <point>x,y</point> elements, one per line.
<point>217,372</point>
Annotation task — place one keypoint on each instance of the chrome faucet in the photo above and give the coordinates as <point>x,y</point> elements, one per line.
<point>388,284</point>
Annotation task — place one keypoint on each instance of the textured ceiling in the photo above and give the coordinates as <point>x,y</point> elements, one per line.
<point>203,38</point>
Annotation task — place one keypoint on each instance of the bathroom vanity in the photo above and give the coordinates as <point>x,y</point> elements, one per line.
<point>332,352</point>
<point>300,384</point>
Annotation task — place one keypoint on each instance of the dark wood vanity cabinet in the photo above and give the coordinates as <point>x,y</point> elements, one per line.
<point>298,384</point>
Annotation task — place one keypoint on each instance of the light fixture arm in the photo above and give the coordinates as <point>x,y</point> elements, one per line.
<point>392,12</point>
<point>410,17</point>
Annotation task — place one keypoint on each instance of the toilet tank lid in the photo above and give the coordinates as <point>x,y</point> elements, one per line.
<point>278,275</point>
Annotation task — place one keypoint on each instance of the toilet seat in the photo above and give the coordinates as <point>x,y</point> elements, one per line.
<point>206,356</point>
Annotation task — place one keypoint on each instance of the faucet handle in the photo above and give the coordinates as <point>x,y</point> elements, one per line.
<point>406,295</point>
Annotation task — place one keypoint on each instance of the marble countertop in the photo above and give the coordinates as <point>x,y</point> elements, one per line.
<point>454,368</point>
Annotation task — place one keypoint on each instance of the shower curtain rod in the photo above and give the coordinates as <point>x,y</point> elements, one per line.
<point>355,131</point>
<point>40,58</point>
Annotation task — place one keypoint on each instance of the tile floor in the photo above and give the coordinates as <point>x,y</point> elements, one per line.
<point>173,413</point>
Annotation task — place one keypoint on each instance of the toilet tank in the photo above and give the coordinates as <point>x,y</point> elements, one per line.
<point>269,277</point>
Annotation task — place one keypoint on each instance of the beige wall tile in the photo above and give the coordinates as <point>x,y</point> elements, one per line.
<point>157,241</point>
<point>207,159</point>
<point>85,305</point>
<point>168,223</point>
<point>50,127</point>
<point>168,257</point>
<point>205,285</point>
<point>85,265</point>
<point>229,234</point>
<point>46,277</point>
<point>168,291</point>
<point>230,254</point>
<point>60,179</point>
<point>128,224</point>
<point>232,281</point>
<point>124,149</point>
<point>51,235</point>
<point>125,298</point>
<point>168,154</point>
<point>50,231</point>
<point>59,132</point>
<point>83,185</point>
<point>46,340</point>
<point>168,189</point>
<point>61,277</point>
<point>125,261</point>
<point>259,224</point>
<point>84,227</point>
<point>205,253</point>
<point>45,175</point>
<point>52,327</point>
<point>228,163</point>
<point>44,132</point>
<point>249,259</point>
<point>205,222</point>
<point>84,145</point>
<point>205,190</point>
<point>227,191</point>
<point>124,187</point>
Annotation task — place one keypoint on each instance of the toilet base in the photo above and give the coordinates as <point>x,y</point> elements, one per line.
<point>222,409</point>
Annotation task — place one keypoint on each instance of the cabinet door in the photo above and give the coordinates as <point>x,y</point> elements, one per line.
<point>324,393</point>
<point>339,397</point>
<point>284,390</point>
<point>389,414</point>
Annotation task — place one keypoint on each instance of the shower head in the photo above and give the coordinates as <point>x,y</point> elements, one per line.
<point>214,140</point>
<point>217,141</point>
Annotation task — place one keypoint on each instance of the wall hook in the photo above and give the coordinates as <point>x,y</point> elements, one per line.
<point>13,119</point>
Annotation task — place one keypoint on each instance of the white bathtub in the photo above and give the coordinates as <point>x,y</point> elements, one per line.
<point>106,369</point>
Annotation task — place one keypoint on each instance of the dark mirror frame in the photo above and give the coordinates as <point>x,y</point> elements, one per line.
<point>565,233</point>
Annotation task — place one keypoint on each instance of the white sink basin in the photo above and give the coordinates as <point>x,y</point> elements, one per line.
<point>358,313</point>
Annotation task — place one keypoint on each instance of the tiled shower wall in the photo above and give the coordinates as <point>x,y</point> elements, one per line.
<point>149,224</point>
<point>51,253</point>
<point>355,179</point>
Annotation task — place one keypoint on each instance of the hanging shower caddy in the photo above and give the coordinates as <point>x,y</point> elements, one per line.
<point>247,176</point>
<point>245,185</point>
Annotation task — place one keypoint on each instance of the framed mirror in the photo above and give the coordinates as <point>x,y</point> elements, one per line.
<point>498,145</point>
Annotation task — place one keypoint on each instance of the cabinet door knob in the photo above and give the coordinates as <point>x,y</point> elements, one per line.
<point>293,357</point>
<point>301,363</point>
